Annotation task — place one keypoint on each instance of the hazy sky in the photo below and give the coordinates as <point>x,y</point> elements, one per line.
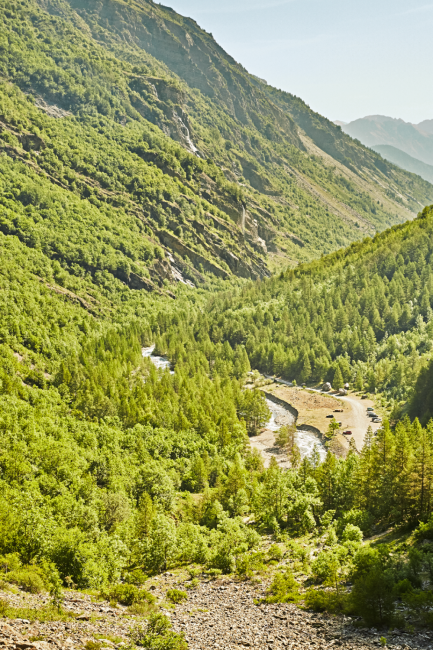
<point>345,58</point>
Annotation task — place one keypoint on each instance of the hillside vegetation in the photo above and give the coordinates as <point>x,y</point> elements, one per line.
<point>115,235</point>
<point>362,315</point>
<point>139,112</point>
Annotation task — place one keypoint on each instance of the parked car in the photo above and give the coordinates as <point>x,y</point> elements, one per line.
<point>329,416</point>
<point>377,420</point>
<point>370,408</point>
<point>347,433</point>
<point>338,410</point>
<point>364,396</point>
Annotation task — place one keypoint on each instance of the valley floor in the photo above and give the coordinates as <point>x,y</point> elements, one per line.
<point>314,407</point>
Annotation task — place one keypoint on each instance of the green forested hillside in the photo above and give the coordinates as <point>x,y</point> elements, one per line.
<point>133,107</point>
<point>365,313</point>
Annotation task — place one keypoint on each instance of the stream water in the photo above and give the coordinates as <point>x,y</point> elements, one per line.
<point>304,439</point>
<point>159,362</point>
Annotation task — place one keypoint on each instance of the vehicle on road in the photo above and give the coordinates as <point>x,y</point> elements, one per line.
<point>370,408</point>
<point>330,416</point>
<point>347,433</point>
<point>376,420</point>
<point>338,410</point>
<point>372,415</point>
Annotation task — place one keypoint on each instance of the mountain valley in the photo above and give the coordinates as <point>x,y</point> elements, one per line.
<point>157,200</point>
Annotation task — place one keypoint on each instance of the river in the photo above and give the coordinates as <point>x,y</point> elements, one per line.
<point>265,442</point>
<point>160,362</point>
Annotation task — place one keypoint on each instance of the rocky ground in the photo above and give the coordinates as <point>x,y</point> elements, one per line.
<point>218,614</point>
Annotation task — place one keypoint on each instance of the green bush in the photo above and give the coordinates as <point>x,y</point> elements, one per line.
<point>157,635</point>
<point>283,589</point>
<point>425,530</point>
<point>10,562</point>
<point>127,594</point>
<point>176,596</point>
<point>275,552</point>
<point>136,577</point>
<point>142,609</point>
<point>28,579</point>
<point>327,601</point>
<point>373,596</point>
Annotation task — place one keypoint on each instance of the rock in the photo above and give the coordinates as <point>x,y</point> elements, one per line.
<point>41,645</point>
<point>327,386</point>
<point>342,391</point>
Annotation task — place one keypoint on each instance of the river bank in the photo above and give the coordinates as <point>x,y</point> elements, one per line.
<point>282,414</point>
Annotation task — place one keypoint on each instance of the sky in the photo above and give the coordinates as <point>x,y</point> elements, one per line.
<point>345,58</point>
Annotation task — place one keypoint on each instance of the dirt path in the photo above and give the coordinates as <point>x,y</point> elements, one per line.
<point>359,419</point>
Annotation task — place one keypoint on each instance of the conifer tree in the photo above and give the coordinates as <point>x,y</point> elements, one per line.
<point>338,379</point>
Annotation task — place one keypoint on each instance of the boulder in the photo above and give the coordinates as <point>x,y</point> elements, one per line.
<point>342,391</point>
<point>327,387</point>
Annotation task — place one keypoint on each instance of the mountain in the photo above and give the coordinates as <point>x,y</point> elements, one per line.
<point>376,130</point>
<point>405,161</point>
<point>425,127</point>
<point>137,111</point>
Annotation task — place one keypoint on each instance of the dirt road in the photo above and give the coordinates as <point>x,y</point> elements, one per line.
<point>359,421</point>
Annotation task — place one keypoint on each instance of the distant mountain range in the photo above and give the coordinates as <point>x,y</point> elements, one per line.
<point>403,160</point>
<point>407,145</point>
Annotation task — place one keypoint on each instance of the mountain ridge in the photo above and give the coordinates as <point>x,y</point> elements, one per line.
<point>405,161</point>
<point>374,130</point>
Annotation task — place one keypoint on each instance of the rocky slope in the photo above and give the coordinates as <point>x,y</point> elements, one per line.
<point>218,614</point>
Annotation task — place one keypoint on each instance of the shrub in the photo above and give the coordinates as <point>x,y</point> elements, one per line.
<point>127,594</point>
<point>249,562</point>
<point>142,609</point>
<point>136,577</point>
<point>10,562</point>
<point>327,601</point>
<point>176,596</point>
<point>373,596</point>
<point>28,579</point>
<point>425,530</point>
<point>352,533</point>
<point>158,635</point>
<point>93,645</point>
<point>284,589</point>
<point>194,583</point>
<point>276,552</point>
